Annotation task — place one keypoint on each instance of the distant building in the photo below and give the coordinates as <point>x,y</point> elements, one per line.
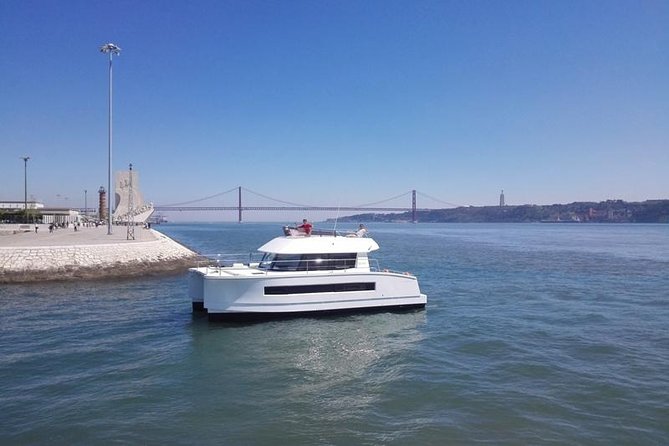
<point>60,216</point>
<point>41,213</point>
<point>501,199</point>
<point>19,205</point>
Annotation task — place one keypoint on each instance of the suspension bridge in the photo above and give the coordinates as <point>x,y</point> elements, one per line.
<point>240,208</point>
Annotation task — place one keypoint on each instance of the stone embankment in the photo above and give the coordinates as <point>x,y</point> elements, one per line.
<point>89,253</point>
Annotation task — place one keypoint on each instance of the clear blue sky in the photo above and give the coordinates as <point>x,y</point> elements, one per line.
<point>339,102</point>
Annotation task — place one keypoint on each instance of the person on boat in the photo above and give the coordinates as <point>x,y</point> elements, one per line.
<point>362,231</point>
<point>305,227</point>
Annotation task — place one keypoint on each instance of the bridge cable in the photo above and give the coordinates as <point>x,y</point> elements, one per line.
<point>199,199</point>
<point>277,200</point>
<point>382,201</point>
<point>438,200</point>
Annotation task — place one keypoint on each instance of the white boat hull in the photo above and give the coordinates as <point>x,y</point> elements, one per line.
<point>246,292</point>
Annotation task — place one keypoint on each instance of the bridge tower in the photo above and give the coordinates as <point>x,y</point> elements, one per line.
<point>413,206</point>
<point>239,218</point>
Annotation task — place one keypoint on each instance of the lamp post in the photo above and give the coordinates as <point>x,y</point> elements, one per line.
<point>25,186</point>
<point>112,50</point>
<point>85,202</point>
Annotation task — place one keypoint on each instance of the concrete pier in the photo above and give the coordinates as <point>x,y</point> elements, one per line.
<point>88,253</point>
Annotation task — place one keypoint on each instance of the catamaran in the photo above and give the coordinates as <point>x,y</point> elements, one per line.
<point>303,274</point>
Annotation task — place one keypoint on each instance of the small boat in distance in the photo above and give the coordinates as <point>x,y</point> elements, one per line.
<point>157,219</point>
<point>300,274</point>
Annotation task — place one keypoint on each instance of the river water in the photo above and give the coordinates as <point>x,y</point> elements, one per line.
<point>533,334</point>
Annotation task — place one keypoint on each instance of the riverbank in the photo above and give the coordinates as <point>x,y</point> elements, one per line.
<point>88,253</point>
<point>609,211</point>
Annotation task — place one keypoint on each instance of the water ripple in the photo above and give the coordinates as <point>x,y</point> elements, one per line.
<point>533,334</point>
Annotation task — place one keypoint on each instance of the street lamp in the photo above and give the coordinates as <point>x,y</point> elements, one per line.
<point>85,202</point>
<point>25,186</point>
<point>112,50</point>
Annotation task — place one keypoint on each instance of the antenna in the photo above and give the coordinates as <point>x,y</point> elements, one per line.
<point>336,220</point>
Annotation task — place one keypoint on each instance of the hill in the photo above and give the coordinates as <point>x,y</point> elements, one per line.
<point>610,211</point>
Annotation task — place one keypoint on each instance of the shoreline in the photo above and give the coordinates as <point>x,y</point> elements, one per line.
<point>89,254</point>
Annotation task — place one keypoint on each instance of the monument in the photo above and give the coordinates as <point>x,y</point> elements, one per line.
<point>130,205</point>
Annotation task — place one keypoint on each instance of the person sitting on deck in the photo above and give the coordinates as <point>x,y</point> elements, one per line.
<point>362,231</point>
<point>305,227</point>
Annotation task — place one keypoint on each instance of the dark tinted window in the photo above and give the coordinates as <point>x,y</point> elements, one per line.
<point>321,288</point>
<point>287,262</point>
<point>312,262</point>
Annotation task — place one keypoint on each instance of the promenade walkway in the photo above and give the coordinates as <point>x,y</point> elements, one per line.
<point>70,237</point>
<point>88,253</point>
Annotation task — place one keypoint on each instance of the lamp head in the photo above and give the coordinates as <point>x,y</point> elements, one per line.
<point>110,48</point>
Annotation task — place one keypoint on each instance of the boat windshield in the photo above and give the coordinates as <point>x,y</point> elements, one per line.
<point>307,262</point>
<point>266,261</point>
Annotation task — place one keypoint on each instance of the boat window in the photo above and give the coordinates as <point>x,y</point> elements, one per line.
<point>321,288</point>
<point>343,261</point>
<point>326,262</point>
<point>307,262</point>
<point>287,262</point>
<point>266,261</point>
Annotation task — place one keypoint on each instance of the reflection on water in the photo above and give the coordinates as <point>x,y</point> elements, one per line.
<point>307,371</point>
<point>323,351</point>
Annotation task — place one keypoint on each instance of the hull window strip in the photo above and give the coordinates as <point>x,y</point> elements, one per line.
<point>321,288</point>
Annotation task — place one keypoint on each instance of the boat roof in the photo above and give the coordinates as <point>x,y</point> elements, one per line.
<point>319,244</point>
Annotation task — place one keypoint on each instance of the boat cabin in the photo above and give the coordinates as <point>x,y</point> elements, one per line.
<point>316,253</point>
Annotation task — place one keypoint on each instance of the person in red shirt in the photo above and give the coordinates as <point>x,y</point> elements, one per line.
<point>305,227</point>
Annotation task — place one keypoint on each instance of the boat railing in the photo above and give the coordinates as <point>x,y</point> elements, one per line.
<point>328,264</point>
<point>374,267</point>
<point>296,232</point>
<point>224,260</point>
<point>215,262</point>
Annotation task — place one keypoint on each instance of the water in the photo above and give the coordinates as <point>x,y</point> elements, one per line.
<point>533,334</point>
